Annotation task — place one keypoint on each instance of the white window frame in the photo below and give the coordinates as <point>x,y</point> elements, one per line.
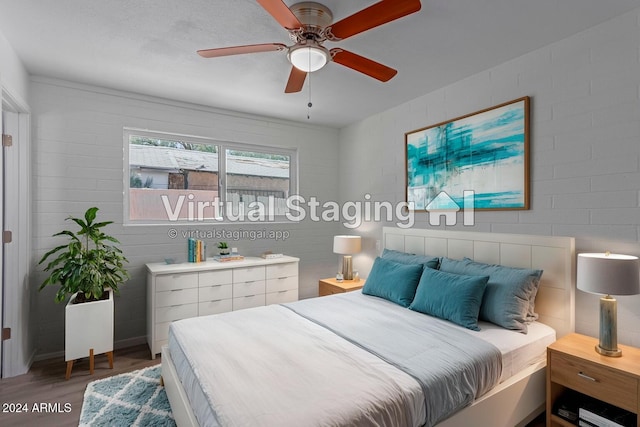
<point>223,146</point>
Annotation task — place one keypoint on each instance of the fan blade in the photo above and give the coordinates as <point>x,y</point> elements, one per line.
<point>281,13</point>
<point>296,80</point>
<point>363,65</point>
<point>237,50</point>
<point>371,17</point>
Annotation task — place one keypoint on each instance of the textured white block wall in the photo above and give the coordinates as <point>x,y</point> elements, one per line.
<point>585,148</point>
<point>78,163</point>
<point>13,75</point>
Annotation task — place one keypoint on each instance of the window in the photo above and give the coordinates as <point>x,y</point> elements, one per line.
<point>175,178</point>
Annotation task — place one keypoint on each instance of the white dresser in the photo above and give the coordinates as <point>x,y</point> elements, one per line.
<point>180,291</point>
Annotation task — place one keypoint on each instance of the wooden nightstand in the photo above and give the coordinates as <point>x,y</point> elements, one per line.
<point>572,363</point>
<point>332,286</point>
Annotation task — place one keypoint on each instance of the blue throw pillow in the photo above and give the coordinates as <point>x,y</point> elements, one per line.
<point>449,296</point>
<point>406,258</point>
<point>510,291</point>
<point>393,281</point>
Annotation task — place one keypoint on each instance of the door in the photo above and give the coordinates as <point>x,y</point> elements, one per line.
<point>15,307</point>
<point>16,353</point>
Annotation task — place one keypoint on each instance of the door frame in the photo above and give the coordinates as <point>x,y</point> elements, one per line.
<point>17,352</point>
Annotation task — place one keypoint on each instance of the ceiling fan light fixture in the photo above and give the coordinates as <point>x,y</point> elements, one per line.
<point>309,58</point>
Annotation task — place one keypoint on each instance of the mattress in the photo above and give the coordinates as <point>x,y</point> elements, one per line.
<point>517,350</point>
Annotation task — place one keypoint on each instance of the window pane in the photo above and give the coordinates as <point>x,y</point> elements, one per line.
<point>172,179</point>
<point>257,180</point>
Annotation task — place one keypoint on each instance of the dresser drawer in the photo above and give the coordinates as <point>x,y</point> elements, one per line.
<point>248,274</point>
<point>215,307</point>
<point>282,297</point>
<point>162,330</point>
<point>168,282</point>
<point>595,380</point>
<point>248,302</point>
<point>210,278</point>
<point>282,284</point>
<point>217,292</point>
<point>176,312</point>
<point>176,297</point>
<point>282,270</point>
<point>248,288</point>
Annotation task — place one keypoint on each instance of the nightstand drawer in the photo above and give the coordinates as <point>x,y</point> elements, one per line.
<point>327,289</point>
<point>595,380</point>
<point>332,286</point>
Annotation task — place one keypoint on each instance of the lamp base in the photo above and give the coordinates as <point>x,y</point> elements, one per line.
<point>610,353</point>
<point>608,345</point>
<point>347,267</point>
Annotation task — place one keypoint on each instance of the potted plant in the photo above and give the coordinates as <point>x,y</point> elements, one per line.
<point>89,269</point>
<point>224,248</point>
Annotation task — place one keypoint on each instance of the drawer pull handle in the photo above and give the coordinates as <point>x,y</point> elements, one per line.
<point>586,377</point>
<point>282,278</point>
<point>176,290</point>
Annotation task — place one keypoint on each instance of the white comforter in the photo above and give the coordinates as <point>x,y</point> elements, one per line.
<point>272,366</point>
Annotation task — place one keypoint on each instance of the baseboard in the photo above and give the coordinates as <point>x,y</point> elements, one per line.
<point>129,342</point>
<point>117,345</point>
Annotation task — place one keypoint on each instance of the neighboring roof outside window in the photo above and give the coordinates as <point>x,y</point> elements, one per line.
<point>167,158</point>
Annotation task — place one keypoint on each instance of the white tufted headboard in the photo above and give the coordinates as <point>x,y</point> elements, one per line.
<point>555,302</point>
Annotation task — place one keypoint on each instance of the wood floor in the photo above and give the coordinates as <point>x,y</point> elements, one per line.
<point>45,384</point>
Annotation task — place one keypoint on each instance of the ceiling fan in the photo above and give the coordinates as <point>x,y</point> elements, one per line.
<point>310,24</point>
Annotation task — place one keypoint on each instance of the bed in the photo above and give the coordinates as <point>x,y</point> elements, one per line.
<point>340,360</point>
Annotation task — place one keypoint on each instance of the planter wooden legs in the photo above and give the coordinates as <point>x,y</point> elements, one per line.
<point>69,368</point>
<point>91,363</point>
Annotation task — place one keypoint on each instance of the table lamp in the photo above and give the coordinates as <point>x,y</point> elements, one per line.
<point>609,274</point>
<point>347,246</point>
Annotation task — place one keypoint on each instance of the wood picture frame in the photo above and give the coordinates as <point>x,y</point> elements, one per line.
<point>480,158</point>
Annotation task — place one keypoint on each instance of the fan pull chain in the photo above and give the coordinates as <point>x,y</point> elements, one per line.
<point>309,104</point>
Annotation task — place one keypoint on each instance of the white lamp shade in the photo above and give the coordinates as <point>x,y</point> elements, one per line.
<point>605,273</point>
<point>308,58</point>
<point>346,245</point>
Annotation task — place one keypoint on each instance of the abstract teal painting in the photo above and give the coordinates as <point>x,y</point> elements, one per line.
<point>483,154</point>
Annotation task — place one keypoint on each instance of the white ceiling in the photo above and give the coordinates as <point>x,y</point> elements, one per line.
<point>149,47</point>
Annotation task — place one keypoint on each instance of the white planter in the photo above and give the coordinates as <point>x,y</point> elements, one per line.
<point>88,326</point>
